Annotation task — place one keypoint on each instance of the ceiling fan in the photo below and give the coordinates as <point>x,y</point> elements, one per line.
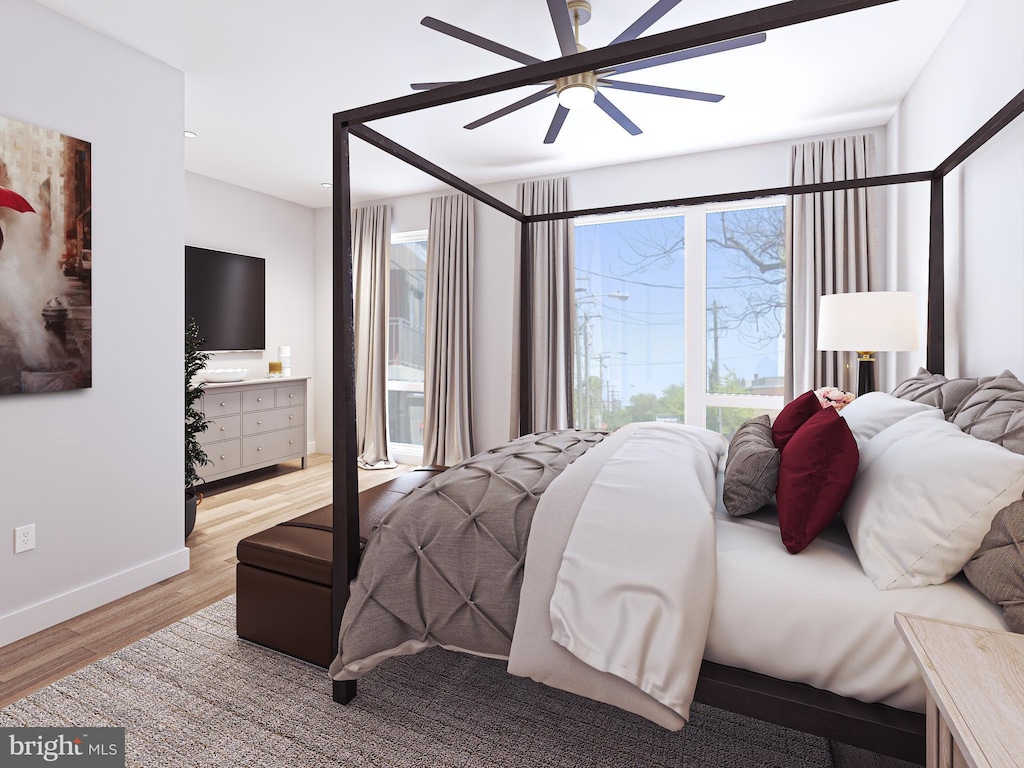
<point>583,88</point>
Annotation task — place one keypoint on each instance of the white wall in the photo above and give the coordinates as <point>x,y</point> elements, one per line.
<point>746,168</point>
<point>975,71</point>
<point>225,217</point>
<point>100,471</point>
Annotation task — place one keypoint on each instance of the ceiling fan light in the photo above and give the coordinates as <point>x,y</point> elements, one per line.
<point>576,95</point>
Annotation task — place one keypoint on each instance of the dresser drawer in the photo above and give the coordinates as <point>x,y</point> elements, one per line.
<point>273,445</point>
<point>214,403</point>
<point>224,457</point>
<point>257,400</point>
<point>291,395</point>
<point>268,421</point>
<point>224,428</point>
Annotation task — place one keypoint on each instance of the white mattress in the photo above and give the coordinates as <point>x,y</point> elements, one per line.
<point>816,618</point>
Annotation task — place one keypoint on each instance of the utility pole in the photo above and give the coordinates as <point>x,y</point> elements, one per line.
<point>715,381</point>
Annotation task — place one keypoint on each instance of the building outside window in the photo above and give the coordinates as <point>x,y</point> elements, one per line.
<point>407,345</point>
<point>680,316</point>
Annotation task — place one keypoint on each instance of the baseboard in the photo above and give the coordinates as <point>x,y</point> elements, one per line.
<point>311,447</point>
<point>49,613</point>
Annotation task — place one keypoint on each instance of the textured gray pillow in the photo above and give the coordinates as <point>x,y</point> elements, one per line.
<point>997,568</point>
<point>935,389</point>
<point>995,412</point>
<point>751,469</point>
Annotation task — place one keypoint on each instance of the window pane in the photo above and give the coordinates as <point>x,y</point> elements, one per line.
<point>405,417</point>
<point>406,340</point>
<point>629,322</point>
<point>728,420</point>
<point>746,299</point>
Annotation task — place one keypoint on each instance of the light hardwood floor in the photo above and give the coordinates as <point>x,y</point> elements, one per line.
<point>234,509</point>
<point>237,508</point>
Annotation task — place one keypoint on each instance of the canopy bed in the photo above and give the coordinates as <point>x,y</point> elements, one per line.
<point>881,728</point>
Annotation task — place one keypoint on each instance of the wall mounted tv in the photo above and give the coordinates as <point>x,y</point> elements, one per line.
<point>226,295</point>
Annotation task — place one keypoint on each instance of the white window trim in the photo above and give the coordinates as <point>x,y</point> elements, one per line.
<point>406,453</point>
<point>695,339</point>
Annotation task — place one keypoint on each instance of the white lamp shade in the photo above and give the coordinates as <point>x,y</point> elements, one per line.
<point>284,351</point>
<point>869,321</point>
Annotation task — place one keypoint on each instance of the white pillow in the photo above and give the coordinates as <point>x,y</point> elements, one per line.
<point>919,510</point>
<point>871,413</point>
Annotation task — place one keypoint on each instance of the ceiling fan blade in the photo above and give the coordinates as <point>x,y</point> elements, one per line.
<point>556,124</point>
<point>563,27</point>
<point>662,90</point>
<point>615,114</point>
<point>480,42</point>
<point>531,99</point>
<point>429,86</point>
<point>645,22</point>
<point>692,53</point>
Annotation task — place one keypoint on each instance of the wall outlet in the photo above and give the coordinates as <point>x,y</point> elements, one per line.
<point>24,538</point>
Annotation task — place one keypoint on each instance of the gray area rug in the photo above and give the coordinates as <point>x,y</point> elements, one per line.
<point>194,695</point>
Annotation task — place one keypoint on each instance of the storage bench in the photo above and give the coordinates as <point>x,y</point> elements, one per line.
<point>284,574</point>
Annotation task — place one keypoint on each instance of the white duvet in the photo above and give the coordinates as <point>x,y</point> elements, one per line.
<point>617,597</point>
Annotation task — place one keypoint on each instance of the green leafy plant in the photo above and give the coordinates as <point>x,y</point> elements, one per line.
<point>195,422</point>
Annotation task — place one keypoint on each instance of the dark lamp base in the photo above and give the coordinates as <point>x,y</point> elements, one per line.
<point>865,373</point>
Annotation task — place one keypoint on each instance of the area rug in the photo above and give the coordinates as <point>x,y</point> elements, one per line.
<point>194,695</point>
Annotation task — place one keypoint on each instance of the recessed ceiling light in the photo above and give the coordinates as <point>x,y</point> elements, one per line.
<point>191,135</point>
<point>327,185</point>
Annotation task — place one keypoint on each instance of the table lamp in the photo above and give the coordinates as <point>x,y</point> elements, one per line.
<point>866,323</point>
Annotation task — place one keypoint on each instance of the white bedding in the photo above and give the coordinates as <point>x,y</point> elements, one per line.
<point>815,617</point>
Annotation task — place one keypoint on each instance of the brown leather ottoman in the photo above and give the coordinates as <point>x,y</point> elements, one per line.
<point>283,574</point>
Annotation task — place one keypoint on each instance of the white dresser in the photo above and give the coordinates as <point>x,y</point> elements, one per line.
<point>253,424</point>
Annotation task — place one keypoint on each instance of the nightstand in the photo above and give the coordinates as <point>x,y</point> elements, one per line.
<point>975,682</point>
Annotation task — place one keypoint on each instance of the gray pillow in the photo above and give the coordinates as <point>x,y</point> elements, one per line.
<point>935,389</point>
<point>995,412</point>
<point>997,568</point>
<point>751,469</point>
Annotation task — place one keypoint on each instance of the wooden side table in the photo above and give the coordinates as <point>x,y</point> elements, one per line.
<point>975,682</point>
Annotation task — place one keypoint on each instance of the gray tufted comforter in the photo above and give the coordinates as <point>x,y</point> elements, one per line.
<point>445,566</point>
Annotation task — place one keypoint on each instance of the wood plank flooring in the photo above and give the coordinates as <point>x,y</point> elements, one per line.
<point>232,509</point>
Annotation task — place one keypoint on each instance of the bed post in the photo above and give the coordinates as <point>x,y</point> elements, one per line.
<point>345,477</point>
<point>936,346</point>
<point>525,328</point>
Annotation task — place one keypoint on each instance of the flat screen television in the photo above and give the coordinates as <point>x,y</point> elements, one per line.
<point>226,295</point>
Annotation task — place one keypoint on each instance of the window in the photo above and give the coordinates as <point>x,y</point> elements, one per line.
<point>407,345</point>
<point>679,316</point>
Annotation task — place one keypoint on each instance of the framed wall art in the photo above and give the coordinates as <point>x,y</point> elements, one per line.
<point>45,260</point>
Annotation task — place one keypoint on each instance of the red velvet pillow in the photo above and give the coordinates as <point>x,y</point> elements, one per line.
<point>817,470</point>
<point>793,416</point>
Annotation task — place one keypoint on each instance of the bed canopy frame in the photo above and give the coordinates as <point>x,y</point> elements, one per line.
<point>873,726</point>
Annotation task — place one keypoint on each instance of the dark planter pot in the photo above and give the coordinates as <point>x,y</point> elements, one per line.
<point>191,502</point>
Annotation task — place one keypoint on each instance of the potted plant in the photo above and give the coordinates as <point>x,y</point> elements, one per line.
<point>195,422</point>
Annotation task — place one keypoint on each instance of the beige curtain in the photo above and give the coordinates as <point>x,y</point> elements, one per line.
<point>549,344</point>
<point>371,260</point>
<point>832,246</point>
<point>448,422</point>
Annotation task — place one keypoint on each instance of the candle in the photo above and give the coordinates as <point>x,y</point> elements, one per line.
<point>275,366</point>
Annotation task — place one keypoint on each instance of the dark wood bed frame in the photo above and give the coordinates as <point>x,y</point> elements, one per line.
<point>876,727</point>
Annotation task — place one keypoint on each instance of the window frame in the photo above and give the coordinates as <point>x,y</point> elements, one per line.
<point>695,318</point>
<point>403,453</point>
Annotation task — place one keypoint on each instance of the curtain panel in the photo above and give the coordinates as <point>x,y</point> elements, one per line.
<point>371,260</point>
<point>832,246</point>
<point>547,347</point>
<point>448,395</point>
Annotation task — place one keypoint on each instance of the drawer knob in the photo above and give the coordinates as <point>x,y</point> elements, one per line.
<point>291,442</point>
<point>223,404</point>
<point>259,449</point>
<point>259,422</point>
<point>290,418</point>
<point>259,399</point>
<point>223,456</point>
<point>291,395</point>
<point>223,429</point>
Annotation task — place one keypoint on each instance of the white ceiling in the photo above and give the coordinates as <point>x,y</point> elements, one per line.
<point>262,80</point>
